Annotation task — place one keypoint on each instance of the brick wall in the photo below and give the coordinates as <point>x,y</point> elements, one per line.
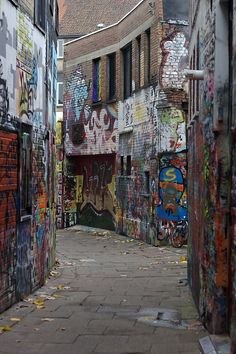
<point>27,150</point>
<point>137,129</point>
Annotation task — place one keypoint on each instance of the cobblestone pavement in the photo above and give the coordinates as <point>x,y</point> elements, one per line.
<point>107,294</point>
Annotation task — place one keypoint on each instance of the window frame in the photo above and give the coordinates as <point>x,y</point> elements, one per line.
<point>112,76</point>
<point>40,16</point>
<point>127,70</point>
<point>96,92</point>
<point>60,40</point>
<point>59,84</point>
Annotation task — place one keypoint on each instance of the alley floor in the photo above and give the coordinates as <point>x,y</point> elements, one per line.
<point>107,294</point>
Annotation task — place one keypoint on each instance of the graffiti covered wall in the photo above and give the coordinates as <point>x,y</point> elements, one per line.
<point>152,190</point>
<point>89,131</point>
<point>209,171</point>
<point>90,145</point>
<point>26,141</point>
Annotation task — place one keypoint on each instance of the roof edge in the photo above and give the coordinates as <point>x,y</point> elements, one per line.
<point>105,28</point>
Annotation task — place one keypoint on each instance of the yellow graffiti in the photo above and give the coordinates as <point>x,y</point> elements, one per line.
<point>59,166</point>
<point>59,133</point>
<point>171,175</point>
<point>112,186</point>
<point>79,188</point>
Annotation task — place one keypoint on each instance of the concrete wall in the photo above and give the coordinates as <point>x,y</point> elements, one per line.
<point>210,168</point>
<point>149,126</point>
<point>27,231</point>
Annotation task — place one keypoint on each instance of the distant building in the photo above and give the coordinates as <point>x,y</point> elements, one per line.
<point>212,165</point>
<point>124,122</point>
<point>77,18</point>
<point>28,79</point>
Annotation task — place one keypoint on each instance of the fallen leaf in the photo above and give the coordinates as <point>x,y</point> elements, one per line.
<point>183,259</point>
<point>15,319</point>
<point>39,302</point>
<point>5,328</point>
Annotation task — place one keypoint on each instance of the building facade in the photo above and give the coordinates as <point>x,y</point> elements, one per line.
<point>27,128</point>
<point>91,16</point>
<point>211,156</point>
<point>124,123</point>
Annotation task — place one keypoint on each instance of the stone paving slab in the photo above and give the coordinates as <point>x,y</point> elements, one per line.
<point>107,294</point>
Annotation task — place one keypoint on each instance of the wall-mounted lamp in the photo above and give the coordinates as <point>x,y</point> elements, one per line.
<point>194,74</point>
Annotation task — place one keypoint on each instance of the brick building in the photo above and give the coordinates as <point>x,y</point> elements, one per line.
<point>211,156</point>
<point>124,122</point>
<point>77,18</point>
<point>27,135</point>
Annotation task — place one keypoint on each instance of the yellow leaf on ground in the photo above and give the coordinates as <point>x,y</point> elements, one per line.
<point>15,319</point>
<point>183,259</point>
<point>39,302</point>
<point>5,328</point>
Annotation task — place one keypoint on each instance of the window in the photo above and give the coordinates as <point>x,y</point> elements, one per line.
<point>122,165</point>
<point>128,166</point>
<point>112,76</point>
<point>60,48</point>
<point>148,56</point>
<point>57,18</point>
<point>59,93</point>
<point>39,13</point>
<point>147,182</point>
<point>127,70</point>
<point>26,170</point>
<point>97,87</point>
<point>138,41</point>
<point>51,6</point>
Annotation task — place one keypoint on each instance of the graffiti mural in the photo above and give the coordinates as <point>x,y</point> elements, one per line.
<point>89,131</point>
<point>96,191</point>
<point>171,191</point>
<point>24,259</point>
<point>175,56</point>
<point>172,130</point>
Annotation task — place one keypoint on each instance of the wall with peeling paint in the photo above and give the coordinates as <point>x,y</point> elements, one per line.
<point>210,168</point>
<point>139,136</point>
<point>27,149</point>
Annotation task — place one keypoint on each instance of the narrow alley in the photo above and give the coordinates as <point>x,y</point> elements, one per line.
<point>107,294</point>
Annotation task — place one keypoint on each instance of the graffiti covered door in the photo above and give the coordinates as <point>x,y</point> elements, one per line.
<point>8,217</point>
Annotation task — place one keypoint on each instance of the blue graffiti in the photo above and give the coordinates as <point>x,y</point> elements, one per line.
<point>171,188</point>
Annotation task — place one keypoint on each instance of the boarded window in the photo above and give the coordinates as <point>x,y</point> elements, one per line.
<point>148,55</point>
<point>127,70</point>
<point>128,166</point>
<point>112,76</point>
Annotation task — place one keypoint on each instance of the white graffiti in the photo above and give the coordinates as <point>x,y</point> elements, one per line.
<point>175,56</point>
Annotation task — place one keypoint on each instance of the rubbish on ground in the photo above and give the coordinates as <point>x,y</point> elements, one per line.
<point>53,273</point>
<point>88,260</point>
<point>47,319</point>
<point>15,319</point>
<point>123,275</point>
<point>63,287</point>
<point>183,259</point>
